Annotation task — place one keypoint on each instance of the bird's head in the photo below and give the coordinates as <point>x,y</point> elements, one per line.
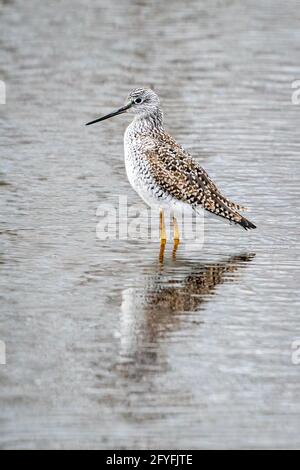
<point>144,101</point>
<point>141,102</point>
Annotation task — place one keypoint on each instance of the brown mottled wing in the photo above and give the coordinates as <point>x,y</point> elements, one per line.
<point>227,202</point>
<point>178,174</point>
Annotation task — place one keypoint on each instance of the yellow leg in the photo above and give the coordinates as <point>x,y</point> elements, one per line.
<point>162,228</point>
<point>176,243</point>
<point>176,237</point>
<point>162,250</point>
<point>162,234</point>
<point>176,231</point>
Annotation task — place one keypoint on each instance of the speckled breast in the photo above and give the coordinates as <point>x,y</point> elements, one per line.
<point>138,171</point>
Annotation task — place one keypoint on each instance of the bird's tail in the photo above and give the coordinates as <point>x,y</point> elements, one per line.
<point>219,208</point>
<point>246,224</point>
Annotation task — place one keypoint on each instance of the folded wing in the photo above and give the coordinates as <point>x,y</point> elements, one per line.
<point>178,174</point>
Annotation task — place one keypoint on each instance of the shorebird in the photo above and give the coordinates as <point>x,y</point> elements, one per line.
<point>165,175</point>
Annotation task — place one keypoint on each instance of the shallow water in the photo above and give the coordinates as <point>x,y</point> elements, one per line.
<point>107,347</point>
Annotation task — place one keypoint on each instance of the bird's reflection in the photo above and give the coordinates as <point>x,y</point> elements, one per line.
<point>151,311</point>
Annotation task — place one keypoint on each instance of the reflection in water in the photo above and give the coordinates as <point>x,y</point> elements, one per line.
<point>150,312</point>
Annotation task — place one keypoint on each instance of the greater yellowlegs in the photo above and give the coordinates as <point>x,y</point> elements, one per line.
<point>162,172</point>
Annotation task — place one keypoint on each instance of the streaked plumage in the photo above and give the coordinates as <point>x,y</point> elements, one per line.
<point>161,171</point>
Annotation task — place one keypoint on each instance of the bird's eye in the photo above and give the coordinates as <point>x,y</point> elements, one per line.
<point>138,100</point>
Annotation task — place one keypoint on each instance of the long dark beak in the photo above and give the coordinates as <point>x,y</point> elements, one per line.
<point>115,113</point>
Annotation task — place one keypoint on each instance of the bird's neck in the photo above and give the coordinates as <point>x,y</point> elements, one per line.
<point>148,123</point>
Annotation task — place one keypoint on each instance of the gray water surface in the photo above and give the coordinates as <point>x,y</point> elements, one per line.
<point>107,347</point>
